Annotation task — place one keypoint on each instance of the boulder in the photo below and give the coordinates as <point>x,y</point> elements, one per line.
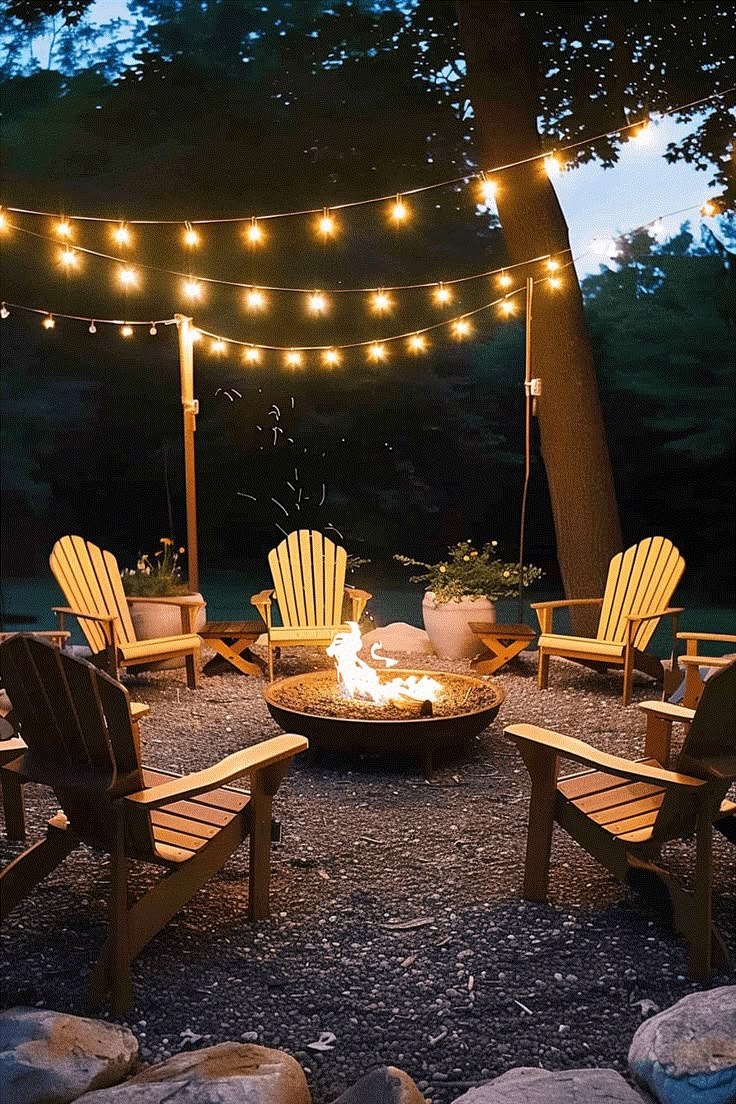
<point>54,1058</point>
<point>386,1085</point>
<point>527,1085</point>
<point>399,637</point>
<point>688,1052</point>
<point>218,1090</point>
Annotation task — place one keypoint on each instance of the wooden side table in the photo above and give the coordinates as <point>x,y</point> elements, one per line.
<point>58,637</point>
<point>231,639</point>
<point>505,641</point>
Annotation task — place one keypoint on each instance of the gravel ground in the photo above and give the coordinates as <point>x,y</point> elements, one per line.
<point>474,982</point>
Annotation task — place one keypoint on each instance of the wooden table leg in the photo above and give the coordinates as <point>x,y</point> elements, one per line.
<point>231,648</point>
<point>503,653</point>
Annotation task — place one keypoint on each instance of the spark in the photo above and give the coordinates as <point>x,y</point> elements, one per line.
<point>292,402</point>
<point>278,412</point>
<point>230,396</point>
<point>324,494</point>
<point>275,435</point>
<point>217,392</point>
<point>237,393</point>
<point>277,503</point>
<point>291,485</point>
<point>330,526</point>
<point>242,495</point>
<point>259,428</point>
<point>280,529</point>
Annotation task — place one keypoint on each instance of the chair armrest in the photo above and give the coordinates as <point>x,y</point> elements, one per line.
<point>670,611</point>
<point>262,602</point>
<point>667,711</point>
<point>266,754</point>
<point>138,710</point>
<point>567,602</point>
<point>569,748</point>
<point>103,618</point>
<point>359,599</point>
<point>725,638</point>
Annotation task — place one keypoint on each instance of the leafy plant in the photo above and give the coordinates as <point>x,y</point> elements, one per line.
<point>471,573</point>
<point>157,578</point>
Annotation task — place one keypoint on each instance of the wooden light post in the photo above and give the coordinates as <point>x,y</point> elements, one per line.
<point>190,409</point>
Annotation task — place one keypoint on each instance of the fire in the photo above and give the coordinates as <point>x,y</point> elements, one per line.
<point>359,680</point>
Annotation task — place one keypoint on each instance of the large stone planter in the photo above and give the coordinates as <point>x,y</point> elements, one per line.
<point>152,620</point>
<point>447,624</point>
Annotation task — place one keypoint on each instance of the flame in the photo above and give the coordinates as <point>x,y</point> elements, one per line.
<point>360,681</point>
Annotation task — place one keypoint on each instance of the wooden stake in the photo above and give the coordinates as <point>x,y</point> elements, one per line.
<point>190,408</point>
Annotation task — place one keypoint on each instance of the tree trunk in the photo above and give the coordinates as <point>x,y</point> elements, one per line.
<point>503,91</point>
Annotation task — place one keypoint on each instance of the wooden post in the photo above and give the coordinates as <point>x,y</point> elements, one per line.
<point>530,408</point>
<point>190,409</point>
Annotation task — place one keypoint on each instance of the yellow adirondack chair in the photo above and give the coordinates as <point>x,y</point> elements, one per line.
<point>623,811</point>
<point>90,580</point>
<point>308,572</point>
<point>640,584</point>
<point>79,730</point>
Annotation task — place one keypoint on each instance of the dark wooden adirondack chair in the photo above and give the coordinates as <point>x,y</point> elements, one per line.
<point>76,723</point>
<point>623,812</point>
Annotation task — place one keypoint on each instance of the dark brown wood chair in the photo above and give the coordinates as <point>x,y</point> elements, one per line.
<point>623,811</point>
<point>76,723</point>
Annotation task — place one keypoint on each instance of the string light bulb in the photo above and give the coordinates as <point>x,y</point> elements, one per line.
<point>399,211</point>
<point>122,234</point>
<point>126,330</point>
<point>461,328</point>
<point>4,312</point>
<point>331,358</point>
<point>190,236</point>
<point>317,303</point>
<point>376,351</point>
<point>92,327</point>
<point>49,322</point>
<point>381,302</point>
<point>218,346</point>
<point>128,277</point>
<point>442,295</point>
<point>63,229</point>
<point>552,265</point>
<point>193,290</point>
<point>326,224</point>
<point>255,300</point>
<point>504,280</point>
<point>488,190</point>
<point>3,221</point>
<point>507,307</point>
<point>254,234</point>
<point>554,282</point>
<point>417,343</point>
<point>709,209</point>
<point>69,258</point>
<point>643,133</point>
<point>252,355</point>
<point>153,331</point>
<point>552,165</point>
<point>293,358</point>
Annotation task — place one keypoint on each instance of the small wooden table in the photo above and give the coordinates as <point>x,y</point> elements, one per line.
<point>58,637</point>
<point>230,639</point>
<point>505,641</point>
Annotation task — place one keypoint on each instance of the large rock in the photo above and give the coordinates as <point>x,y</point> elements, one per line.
<point>687,1053</point>
<point>230,1073</point>
<point>386,1085</point>
<point>400,637</point>
<point>527,1085</point>
<point>51,1058</point>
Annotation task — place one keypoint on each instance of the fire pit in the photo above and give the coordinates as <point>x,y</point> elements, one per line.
<point>359,709</point>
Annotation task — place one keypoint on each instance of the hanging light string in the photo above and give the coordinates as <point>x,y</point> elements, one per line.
<point>392,197</point>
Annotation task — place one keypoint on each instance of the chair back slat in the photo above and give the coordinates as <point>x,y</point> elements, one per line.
<point>90,580</point>
<point>308,573</point>
<point>640,580</point>
<point>712,735</point>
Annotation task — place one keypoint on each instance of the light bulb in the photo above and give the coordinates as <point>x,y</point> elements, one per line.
<point>331,358</point>
<point>643,134</point>
<point>552,165</point>
<point>488,190</point>
<point>709,209</point>
<point>254,234</point>
<point>255,300</point>
<point>128,277</point>
<point>252,356</point>
<point>126,330</point>
<point>218,346</point>
<point>92,327</point>
<point>317,303</point>
<point>554,282</point>
<point>190,236</point>
<point>504,279</point>
<point>293,359</point>
<point>122,234</point>
<point>49,323</point>
<point>399,211</point>
<point>63,229</point>
<point>326,224</point>
<point>376,351</point>
<point>3,222</point>
<point>193,289</point>
<point>381,302</point>
<point>507,307</point>
<point>153,331</point>
<point>69,258</point>
<point>417,343</point>
<point>442,294</point>
<point>461,328</point>
<point>552,264</point>
<point>4,312</point>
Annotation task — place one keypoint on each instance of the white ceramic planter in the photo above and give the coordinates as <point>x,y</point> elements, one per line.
<point>155,619</point>
<point>447,624</point>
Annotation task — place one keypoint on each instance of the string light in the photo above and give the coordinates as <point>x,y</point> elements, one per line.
<point>252,355</point>
<point>417,343</point>
<point>122,234</point>
<point>49,322</point>
<point>193,290</point>
<point>4,312</point>
<point>488,190</point>
<point>507,307</point>
<point>255,300</point>
<point>153,331</point>
<point>505,280</point>
<point>442,295</point>
<point>381,303</point>
<point>254,234</point>
<point>554,282</point>
<point>128,277</point>
<point>326,224</point>
<point>461,329</point>
<point>317,303</point>
<point>399,211</point>
<point>69,258</point>
<point>552,165</point>
<point>126,330</point>
<point>63,229</point>
<point>92,327</point>
<point>552,265</point>
<point>331,358</point>
<point>293,358</point>
<point>709,209</point>
<point>644,133</point>
<point>376,351</point>
<point>218,346</point>
<point>3,222</point>
<point>191,237</point>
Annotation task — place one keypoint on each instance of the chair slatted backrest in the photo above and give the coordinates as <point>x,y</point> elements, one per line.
<point>90,580</point>
<point>308,572</point>
<point>75,722</point>
<point>712,736</point>
<point>640,580</point>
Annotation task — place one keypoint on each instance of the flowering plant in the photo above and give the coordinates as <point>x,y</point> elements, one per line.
<point>471,573</point>
<point>157,578</point>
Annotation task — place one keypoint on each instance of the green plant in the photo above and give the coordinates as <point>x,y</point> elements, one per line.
<point>157,578</point>
<point>471,573</point>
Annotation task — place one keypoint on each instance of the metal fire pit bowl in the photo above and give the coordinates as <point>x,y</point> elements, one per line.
<point>422,737</point>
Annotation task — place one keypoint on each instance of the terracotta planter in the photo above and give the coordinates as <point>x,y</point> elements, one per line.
<point>447,624</point>
<point>152,620</point>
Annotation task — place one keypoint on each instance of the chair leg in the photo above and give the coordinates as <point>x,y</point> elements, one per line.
<point>700,963</point>
<point>543,767</point>
<point>628,674</point>
<point>543,670</point>
<point>192,671</point>
<point>121,982</point>
<point>24,873</point>
<point>15,817</point>
<point>259,865</point>
<point>270,662</point>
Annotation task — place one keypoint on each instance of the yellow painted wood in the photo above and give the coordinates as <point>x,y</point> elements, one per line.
<point>308,571</point>
<point>318,573</point>
<point>300,579</point>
